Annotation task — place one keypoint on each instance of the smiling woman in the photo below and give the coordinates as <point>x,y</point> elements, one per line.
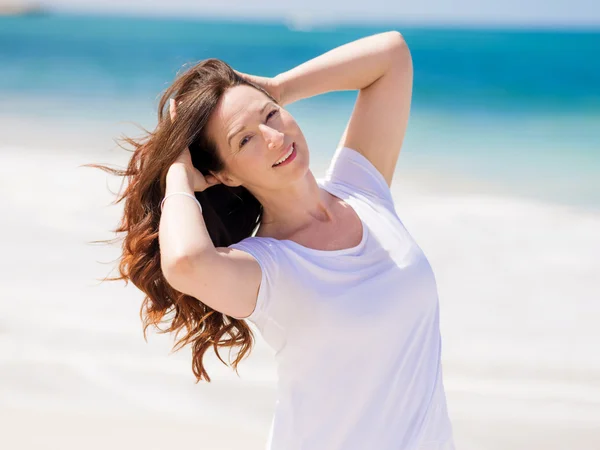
<point>324,268</point>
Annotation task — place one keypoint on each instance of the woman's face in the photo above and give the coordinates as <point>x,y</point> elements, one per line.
<point>252,134</point>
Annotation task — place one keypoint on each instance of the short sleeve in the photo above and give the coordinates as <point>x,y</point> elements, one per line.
<point>263,254</point>
<point>352,173</point>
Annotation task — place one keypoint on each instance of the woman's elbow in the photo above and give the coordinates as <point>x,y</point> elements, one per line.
<point>173,269</point>
<point>400,58</point>
<point>397,46</point>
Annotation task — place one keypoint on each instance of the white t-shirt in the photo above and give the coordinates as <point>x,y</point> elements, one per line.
<point>355,331</point>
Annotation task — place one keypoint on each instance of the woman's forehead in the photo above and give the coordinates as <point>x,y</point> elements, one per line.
<point>239,99</point>
<point>237,105</point>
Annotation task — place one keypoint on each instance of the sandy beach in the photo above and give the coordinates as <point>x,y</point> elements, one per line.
<point>519,316</point>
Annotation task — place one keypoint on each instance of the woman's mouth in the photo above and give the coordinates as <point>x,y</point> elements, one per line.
<point>288,157</point>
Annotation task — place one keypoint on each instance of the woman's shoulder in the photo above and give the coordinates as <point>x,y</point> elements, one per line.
<point>352,174</point>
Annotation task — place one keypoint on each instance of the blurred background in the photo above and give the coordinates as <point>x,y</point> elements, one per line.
<point>498,181</point>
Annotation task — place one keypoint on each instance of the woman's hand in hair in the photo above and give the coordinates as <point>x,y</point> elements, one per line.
<point>268,84</point>
<point>199,181</point>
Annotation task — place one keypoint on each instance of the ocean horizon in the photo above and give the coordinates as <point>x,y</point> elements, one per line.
<point>512,109</point>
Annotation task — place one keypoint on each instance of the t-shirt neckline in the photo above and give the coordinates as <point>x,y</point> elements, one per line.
<point>342,251</point>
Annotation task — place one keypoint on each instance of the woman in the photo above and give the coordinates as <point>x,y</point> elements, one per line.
<point>225,223</point>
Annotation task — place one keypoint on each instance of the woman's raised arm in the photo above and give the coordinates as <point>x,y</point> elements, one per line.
<point>380,66</point>
<point>225,279</point>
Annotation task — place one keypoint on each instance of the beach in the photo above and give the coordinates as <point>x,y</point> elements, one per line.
<point>516,264</point>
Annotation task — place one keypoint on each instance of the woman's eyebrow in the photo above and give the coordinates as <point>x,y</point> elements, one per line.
<point>243,127</point>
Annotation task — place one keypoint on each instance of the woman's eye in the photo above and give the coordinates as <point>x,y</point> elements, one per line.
<point>243,141</point>
<point>272,113</point>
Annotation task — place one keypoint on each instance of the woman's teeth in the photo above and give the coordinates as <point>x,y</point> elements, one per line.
<point>288,154</point>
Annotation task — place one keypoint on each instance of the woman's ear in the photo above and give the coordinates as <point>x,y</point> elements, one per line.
<point>225,179</point>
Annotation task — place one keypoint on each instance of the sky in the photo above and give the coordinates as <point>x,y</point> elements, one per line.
<point>476,12</point>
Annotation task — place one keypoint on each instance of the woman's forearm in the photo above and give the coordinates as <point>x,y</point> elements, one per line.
<point>182,231</point>
<point>351,66</point>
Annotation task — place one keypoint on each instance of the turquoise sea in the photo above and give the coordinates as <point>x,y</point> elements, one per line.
<point>515,110</point>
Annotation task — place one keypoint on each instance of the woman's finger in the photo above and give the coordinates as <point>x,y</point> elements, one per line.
<point>211,180</point>
<point>172,110</point>
<point>252,78</point>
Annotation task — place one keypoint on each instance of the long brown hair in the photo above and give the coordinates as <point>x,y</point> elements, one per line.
<point>230,213</point>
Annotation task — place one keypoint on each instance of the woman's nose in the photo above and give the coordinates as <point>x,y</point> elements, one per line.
<point>274,138</point>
